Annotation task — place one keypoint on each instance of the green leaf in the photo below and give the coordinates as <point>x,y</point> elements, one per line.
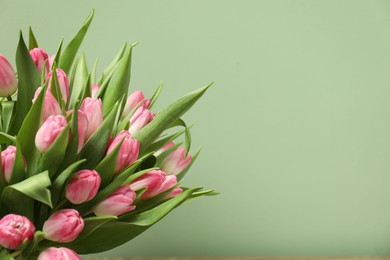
<point>154,147</point>
<point>79,79</point>
<point>52,158</point>
<point>69,54</point>
<point>164,154</point>
<point>95,147</point>
<point>109,70</point>
<point>86,90</point>
<point>28,82</point>
<point>59,183</point>
<point>6,139</point>
<point>5,255</point>
<point>7,109</point>
<point>32,41</point>
<point>58,52</point>
<point>93,71</point>
<point>27,132</point>
<point>18,171</point>
<point>119,82</point>
<point>91,224</point>
<point>180,122</point>
<point>166,117</point>
<point>153,99</point>
<point>38,237</point>
<point>55,88</point>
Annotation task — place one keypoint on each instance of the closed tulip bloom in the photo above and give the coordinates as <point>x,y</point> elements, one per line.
<point>175,192</point>
<point>14,229</point>
<point>62,81</point>
<point>132,101</point>
<point>40,58</point>
<point>58,253</point>
<point>82,128</point>
<point>49,131</point>
<point>50,104</point>
<point>152,181</point>
<point>175,162</point>
<point>92,107</point>
<point>118,203</point>
<point>94,89</point>
<point>169,182</point>
<point>83,186</point>
<point>142,116</point>
<point>7,161</point>
<point>63,226</point>
<point>8,81</point>
<point>128,152</point>
<point>164,148</point>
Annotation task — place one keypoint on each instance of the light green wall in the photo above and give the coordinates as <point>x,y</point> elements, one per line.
<point>295,133</point>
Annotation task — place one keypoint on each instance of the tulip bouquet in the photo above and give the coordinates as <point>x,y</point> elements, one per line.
<point>85,167</point>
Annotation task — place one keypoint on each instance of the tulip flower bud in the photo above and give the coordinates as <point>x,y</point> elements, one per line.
<point>40,58</point>
<point>14,229</point>
<point>63,226</point>
<point>128,152</point>
<point>92,107</point>
<point>119,202</point>
<point>141,118</point>
<point>50,104</point>
<point>175,162</point>
<point>49,131</point>
<point>94,89</point>
<point>152,181</point>
<point>164,148</point>
<point>82,128</point>
<point>132,101</point>
<point>62,81</point>
<point>8,81</point>
<point>7,161</point>
<point>83,186</point>
<point>174,193</point>
<point>51,60</point>
<point>58,253</point>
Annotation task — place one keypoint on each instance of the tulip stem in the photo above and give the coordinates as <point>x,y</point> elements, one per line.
<point>16,253</point>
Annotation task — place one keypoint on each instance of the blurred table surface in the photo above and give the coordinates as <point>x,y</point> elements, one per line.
<point>241,258</point>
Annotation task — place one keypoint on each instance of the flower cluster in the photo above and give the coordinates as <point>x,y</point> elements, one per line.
<point>86,158</point>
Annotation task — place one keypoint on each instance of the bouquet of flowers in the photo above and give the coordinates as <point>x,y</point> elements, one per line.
<point>85,167</point>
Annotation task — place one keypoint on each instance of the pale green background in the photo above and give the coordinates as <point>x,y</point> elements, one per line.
<point>295,133</point>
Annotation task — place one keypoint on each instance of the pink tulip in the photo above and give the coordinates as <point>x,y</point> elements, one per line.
<point>62,81</point>
<point>174,193</point>
<point>40,58</point>
<point>50,104</point>
<point>49,131</point>
<point>119,202</point>
<point>83,186</point>
<point>14,229</point>
<point>175,162</point>
<point>51,60</point>
<point>58,253</point>
<point>94,89</point>
<point>7,161</point>
<point>82,128</point>
<point>63,226</point>
<point>128,152</point>
<point>168,183</point>
<point>8,81</point>
<point>164,148</point>
<point>92,107</point>
<point>142,116</point>
<point>152,181</point>
<point>132,101</point>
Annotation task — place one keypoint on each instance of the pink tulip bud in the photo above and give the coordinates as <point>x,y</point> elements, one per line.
<point>7,161</point>
<point>168,183</point>
<point>175,162</point>
<point>50,104</point>
<point>40,58</point>
<point>164,148</point>
<point>141,118</point>
<point>132,101</point>
<point>83,186</point>
<point>92,107</point>
<point>82,128</point>
<point>94,89</point>
<point>63,226</point>
<point>62,81</point>
<point>49,131</point>
<point>174,193</point>
<point>119,202</point>
<point>152,181</point>
<point>14,229</point>
<point>8,81</point>
<point>128,152</point>
<point>51,60</point>
<point>58,253</point>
